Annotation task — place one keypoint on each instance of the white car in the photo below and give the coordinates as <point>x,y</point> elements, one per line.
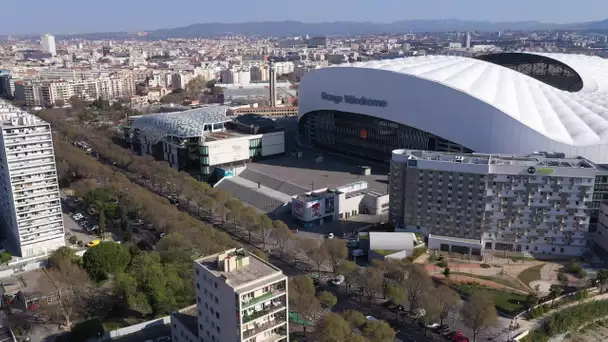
<point>432,325</point>
<point>371,318</point>
<point>339,280</point>
<point>78,216</point>
<point>330,235</point>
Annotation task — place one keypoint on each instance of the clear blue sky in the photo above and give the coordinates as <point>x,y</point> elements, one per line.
<point>80,16</point>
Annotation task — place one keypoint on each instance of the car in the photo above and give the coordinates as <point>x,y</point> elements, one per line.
<point>339,280</point>
<point>352,243</point>
<point>418,313</point>
<point>432,326</point>
<point>330,235</point>
<point>161,235</point>
<point>442,328</point>
<point>398,308</point>
<point>93,243</point>
<point>371,318</point>
<point>358,253</point>
<point>94,228</point>
<point>78,216</point>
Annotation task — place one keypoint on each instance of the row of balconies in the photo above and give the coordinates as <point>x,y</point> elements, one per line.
<point>46,213</point>
<point>43,221</point>
<point>40,230</point>
<point>41,189</point>
<point>31,179</point>
<point>27,132</point>
<point>35,168</point>
<point>28,147</point>
<point>21,141</point>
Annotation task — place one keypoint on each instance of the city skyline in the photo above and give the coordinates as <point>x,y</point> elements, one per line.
<point>117,16</point>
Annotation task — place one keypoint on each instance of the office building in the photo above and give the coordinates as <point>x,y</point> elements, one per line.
<point>239,297</point>
<point>272,87</point>
<point>47,43</point>
<point>30,209</point>
<point>468,203</point>
<point>506,103</point>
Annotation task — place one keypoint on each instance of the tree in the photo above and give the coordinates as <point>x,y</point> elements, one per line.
<point>446,273</point>
<point>554,292</point>
<point>478,313</point>
<point>61,256</point>
<point>265,228</point>
<point>432,308</point>
<point>250,219</point>
<point>371,282</point>
<point>327,299</point>
<point>417,283</point>
<point>355,318</point>
<point>5,258</point>
<point>282,235</point>
<point>318,256</point>
<point>333,328</point>
<point>59,103</point>
<point>102,223</point>
<point>307,245</point>
<point>75,295</point>
<point>396,293</point>
<point>378,331</point>
<point>448,301</point>
<point>602,279</point>
<point>350,271</point>
<point>104,259</point>
<point>302,297</point>
<point>261,255</point>
<point>336,251</point>
<point>195,87</point>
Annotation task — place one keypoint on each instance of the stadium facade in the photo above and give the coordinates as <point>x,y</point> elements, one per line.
<point>513,103</point>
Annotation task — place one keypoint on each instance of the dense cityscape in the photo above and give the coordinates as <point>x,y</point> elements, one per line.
<point>414,186</point>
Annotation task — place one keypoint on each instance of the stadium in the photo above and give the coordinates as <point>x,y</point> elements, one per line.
<point>499,103</point>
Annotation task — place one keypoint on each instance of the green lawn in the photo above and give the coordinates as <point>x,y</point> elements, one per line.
<point>530,274</point>
<point>506,302</point>
<point>496,279</point>
<point>385,252</point>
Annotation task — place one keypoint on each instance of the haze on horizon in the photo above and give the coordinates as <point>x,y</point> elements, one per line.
<point>77,16</point>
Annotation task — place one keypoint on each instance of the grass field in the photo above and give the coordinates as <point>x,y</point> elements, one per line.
<point>530,274</point>
<point>502,280</point>
<point>507,302</point>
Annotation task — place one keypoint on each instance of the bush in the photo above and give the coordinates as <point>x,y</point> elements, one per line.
<point>106,258</point>
<point>562,277</point>
<point>73,240</point>
<point>485,266</point>
<point>442,264</point>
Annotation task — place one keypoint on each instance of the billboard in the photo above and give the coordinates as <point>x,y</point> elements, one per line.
<point>329,205</point>
<point>315,209</point>
<point>228,151</point>
<point>298,208</point>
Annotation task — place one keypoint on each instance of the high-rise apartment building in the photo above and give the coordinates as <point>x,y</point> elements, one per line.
<point>239,297</point>
<point>48,44</point>
<point>30,206</point>
<point>468,203</point>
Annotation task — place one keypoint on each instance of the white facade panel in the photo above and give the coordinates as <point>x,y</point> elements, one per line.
<point>273,143</point>
<point>479,105</point>
<point>228,151</point>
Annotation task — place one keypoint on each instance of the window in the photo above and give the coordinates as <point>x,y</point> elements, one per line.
<point>216,285</point>
<point>217,315</point>
<point>198,299</point>
<point>218,329</point>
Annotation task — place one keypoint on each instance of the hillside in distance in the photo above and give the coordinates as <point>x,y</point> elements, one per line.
<point>346,28</point>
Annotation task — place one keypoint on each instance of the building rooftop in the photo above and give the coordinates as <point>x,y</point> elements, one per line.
<point>185,124</point>
<point>188,318</point>
<point>553,160</point>
<point>228,134</point>
<point>33,284</point>
<point>244,269</point>
<point>11,116</point>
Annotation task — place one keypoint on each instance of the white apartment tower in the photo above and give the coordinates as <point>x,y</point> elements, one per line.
<point>468,203</point>
<point>30,209</point>
<point>239,298</point>
<point>48,44</point>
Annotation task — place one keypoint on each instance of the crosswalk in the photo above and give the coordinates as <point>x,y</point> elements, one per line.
<point>343,305</point>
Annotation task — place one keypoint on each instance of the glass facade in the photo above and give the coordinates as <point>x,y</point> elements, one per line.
<point>367,137</point>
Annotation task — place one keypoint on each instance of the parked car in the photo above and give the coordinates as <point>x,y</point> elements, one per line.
<point>398,308</point>
<point>358,252</point>
<point>371,318</point>
<point>330,235</point>
<point>352,243</point>
<point>93,243</point>
<point>442,328</point>
<point>339,280</point>
<point>78,216</point>
<point>432,326</point>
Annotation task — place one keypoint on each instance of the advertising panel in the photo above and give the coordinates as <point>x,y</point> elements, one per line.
<point>228,151</point>
<point>298,208</point>
<point>329,205</point>
<point>315,209</point>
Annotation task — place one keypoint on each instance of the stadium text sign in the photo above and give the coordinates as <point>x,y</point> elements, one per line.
<point>351,99</point>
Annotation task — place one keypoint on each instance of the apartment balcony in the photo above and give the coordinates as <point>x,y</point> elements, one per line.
<point>262,327</point>
<point>22,141</point>
<point>31,167</point>
<point>273,293</point>
<point>266,310</point>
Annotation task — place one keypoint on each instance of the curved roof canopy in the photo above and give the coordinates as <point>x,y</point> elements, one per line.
<point>577,116</point>
<point>186,124</point>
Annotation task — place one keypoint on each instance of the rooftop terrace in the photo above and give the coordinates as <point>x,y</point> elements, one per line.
<point>238,267</point>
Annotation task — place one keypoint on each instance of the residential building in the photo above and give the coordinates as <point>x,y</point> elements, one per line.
<point>468,203</point>
<point>239,297</point>
<point>30,207</point>
<point>48,44</point>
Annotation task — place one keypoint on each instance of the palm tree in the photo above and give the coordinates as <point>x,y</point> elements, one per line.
<point>602,279</point>
<point>554,292</point>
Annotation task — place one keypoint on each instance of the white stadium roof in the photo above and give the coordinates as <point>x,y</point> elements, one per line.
<point>575,119</point>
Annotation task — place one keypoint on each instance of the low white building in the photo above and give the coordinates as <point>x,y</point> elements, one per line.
<point>326,205</point>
